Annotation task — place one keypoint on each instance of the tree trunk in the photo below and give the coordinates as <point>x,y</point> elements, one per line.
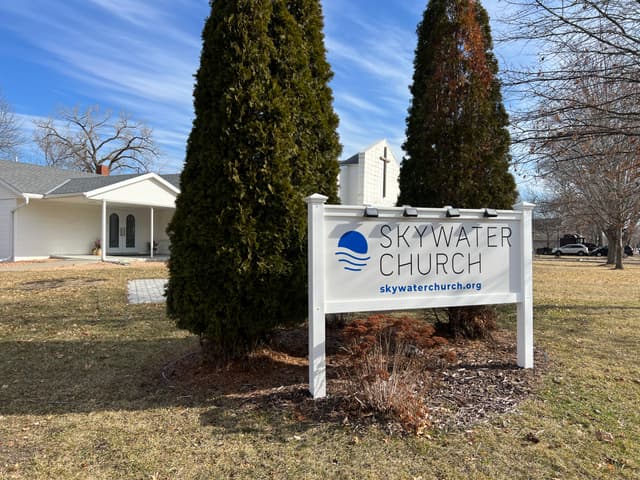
<point>619,249</point>
<point>610,233</point>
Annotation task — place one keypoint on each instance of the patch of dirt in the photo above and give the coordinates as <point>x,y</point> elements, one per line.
<point>28,262</point>
<point>59,283</point>
<point>479,381</point>
<point>57,264</point>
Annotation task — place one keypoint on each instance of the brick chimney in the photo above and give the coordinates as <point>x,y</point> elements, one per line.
<point>102,170</point>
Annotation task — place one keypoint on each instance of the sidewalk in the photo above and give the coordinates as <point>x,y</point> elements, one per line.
<point>146,290</point>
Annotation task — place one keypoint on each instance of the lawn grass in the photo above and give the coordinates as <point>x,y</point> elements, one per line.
<point>82,394</point>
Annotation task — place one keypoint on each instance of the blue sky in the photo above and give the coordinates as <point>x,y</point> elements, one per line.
<point>139,56</point>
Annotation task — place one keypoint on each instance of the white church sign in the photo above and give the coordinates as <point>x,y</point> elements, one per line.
<point>398,258</point>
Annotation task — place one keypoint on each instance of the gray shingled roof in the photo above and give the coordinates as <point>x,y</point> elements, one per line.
<point>172,178</point>
<point>29,178</point>
<point>351,160</point>
<point>81,185</point>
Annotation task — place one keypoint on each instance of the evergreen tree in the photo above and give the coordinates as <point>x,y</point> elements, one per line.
<point>320,122</point>
<point>457,146</point>
<point>238,234</point>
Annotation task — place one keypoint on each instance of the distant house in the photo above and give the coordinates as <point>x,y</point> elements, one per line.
<point>46,212</point>
<point>546,233</point>
<point>370,177</point>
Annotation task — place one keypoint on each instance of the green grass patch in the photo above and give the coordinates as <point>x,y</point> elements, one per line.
<point>83,394</point>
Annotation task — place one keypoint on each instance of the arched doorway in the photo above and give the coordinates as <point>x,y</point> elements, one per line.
<point>130,232</point>
<point>121,235</point>
<point>114,230</point>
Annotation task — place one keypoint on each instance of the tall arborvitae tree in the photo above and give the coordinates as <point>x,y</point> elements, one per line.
<point>237,266</point>
<point>319,121</point>
<point>315,161</point>
<point>457,146</point>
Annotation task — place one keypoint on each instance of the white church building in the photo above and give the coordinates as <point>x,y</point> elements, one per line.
<point>370,177</point>
<point>47,212</point>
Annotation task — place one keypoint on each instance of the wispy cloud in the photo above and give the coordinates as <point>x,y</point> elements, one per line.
<point>114,60</point>
<point>349,100</point>
<point>358,131</point>
<point>139,56</point>
<point>372,57</point>
<point>130,52</point>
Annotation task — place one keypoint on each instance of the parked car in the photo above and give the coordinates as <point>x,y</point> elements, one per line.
<point>590,246</point>
<point>571,249</point>
<point>604,251</point>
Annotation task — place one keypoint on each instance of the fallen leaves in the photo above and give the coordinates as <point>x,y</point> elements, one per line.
<point>603,436</point>
<point>532,437</point>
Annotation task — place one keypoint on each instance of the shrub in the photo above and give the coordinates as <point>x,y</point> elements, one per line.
<point>387,372</point>
<point>472,322</point>
<point>364,333</point>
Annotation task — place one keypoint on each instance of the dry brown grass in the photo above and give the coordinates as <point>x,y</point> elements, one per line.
<point>82,394</point>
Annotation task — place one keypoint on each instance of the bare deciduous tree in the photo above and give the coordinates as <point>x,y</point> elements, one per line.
<point>10,136</point>
<point>576,38</point>
<point>579,121</point>
<point>84,140</point>
<point>595,175</point>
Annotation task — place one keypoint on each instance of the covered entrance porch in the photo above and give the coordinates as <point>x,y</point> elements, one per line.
<point>133,230</point>
<point>134,215</point>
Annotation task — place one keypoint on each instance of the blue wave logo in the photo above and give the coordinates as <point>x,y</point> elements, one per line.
<point>352,251</point>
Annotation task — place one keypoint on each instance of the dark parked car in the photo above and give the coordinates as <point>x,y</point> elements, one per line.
<point>590,246</point>
<point>604,251</point>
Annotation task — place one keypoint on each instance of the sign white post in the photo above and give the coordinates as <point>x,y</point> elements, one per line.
<point>317,358</point>
<point>525,306</point>
<point>397,258</point>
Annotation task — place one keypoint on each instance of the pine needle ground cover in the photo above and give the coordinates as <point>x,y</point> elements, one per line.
<point>88,390</point>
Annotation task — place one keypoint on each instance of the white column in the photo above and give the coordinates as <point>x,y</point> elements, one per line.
<point>315,242</point>
<point>525,307</point>
<point>151,235</point>
<point>103,234</point>
<point>14,233</point>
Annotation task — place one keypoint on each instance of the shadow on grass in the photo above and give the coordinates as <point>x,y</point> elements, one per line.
<point>272,423</point>
<point>60,377</point>
<point>588,326</point>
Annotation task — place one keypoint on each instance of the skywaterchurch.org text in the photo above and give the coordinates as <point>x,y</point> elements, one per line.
<point>429,287</point>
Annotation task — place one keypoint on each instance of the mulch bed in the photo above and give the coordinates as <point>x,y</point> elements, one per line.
<point>480,381</point>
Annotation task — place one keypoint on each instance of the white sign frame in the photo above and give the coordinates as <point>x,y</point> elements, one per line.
<point>520,291</point>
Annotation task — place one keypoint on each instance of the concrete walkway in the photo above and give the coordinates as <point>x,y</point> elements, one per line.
<point>147,290</point>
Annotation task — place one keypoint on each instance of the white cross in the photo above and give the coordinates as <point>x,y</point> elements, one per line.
<point>385,161</point>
